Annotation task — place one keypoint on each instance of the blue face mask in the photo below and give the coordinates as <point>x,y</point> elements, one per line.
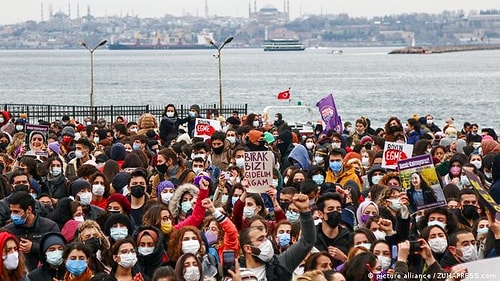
<point>118,233</point>
<point>284,239</point>
<point>319,179</point>
<point>234,199</point>
<point>186,206</point>
<point>135,146</point>
<point>292,216</point>
<point>76,267</point>
<point>17,219</point>
<point>336,166</point>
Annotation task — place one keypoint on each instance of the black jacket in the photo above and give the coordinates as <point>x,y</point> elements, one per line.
<point>342,241</point>
<point>46,271</point>
<point>428,194</point>
<point>57,187</point>
<point>148,264</point>
<point>448,261</point>
<point>33,233</point>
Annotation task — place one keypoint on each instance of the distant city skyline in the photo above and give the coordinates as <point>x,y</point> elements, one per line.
<point>23,10</point>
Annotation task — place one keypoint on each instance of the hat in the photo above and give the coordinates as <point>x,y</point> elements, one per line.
<point>120,181</point>
<point>78,185</point>
<point>120,199</point>
<point>352,155</point>
<point>149,232</point>
<point>195,107</point>
<point>69,230</point>
<point>35,185</point>
<point>50,239</point>
<point>20,121</point>
<point>117,218</point>
<point>254,135</point>
<point>68,131</point>
<point>80,128</point>
<point>285,136</point>
<point>366,139</point>
<point>347,216</point>
<point>268,137</point>
<point>118,152</point>
<point>54,146</point>
<point>101,158</point>
<point>162,185</point>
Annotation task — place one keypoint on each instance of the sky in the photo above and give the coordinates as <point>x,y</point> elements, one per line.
<point>15,11</point>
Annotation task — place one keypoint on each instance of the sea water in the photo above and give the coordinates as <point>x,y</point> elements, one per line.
<point>364,81</point>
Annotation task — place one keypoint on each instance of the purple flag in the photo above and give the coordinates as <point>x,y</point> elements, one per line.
<point>329,114</point>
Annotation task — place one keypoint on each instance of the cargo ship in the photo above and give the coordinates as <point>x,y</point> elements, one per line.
<point>203,43</point>
<point>283,45</point>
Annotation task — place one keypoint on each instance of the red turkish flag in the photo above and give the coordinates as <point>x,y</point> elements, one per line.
<point>285,95</point>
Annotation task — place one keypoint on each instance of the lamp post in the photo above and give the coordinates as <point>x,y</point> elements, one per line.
<point>91,51</point>
<point>219,48</point>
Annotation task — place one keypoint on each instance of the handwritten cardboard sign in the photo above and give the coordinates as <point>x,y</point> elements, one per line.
<point>394,152</point>
<point>483,195</point>
<point>36,139</point>
<point>258,170</point>
<point>421,183</point>
<point>204,128</point>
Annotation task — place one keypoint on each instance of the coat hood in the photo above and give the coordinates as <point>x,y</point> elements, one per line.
<point>300,155</point>
<point>174,203</point>
<point>49,239</point>
<point>154,259</point>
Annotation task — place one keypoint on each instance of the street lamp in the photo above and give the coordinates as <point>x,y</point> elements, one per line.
<point>91,50</point>
<point>227,41</point>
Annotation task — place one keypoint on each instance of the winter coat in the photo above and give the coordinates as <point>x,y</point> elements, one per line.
<point>175,203</point>
<point>148,264</point>
<point>33,233</point>
<point>47,271</point>
<point>342,241</point>
<point>57,186</point>
<point>299,154</point>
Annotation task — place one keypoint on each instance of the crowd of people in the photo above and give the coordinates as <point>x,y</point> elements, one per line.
<point>147,200</point>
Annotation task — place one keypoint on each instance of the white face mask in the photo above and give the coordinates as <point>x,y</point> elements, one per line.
<point>165,197</point>
<point>145,251</point>
<point>231,139</point>
<point>54,257</point>
<point>190,246</point>
<point>240,162</point>
<point>385,262</point>
<point>309,145</point>
<point>79,218</point>
<point>98,189</point>
<point>477,163</point>
<point>438,245</point>
<point>376,179</point>
<point>366,245</point>
<point>256,124</point>
<point>79,154</point>
<point>192,273</point>
<point>19,127</point>
<point>170,114</point>
<point>56,171</point>
<point>11,261</point>
<point>197,171</point>
<point>469,253</point>
<point>266,251</point>
<point>335,145</point>
<point>438,223</point>
<point>248,212</point>
<point>118,233</point>
<point>380,235</point>
<point>319,159</point>
<point>127,260</point>
<point>85,198</point>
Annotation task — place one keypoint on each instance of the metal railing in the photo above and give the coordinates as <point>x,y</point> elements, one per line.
<point>50,113</point>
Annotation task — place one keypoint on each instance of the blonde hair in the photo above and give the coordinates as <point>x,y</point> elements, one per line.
<point>92,224</point>
<point>313,275</point>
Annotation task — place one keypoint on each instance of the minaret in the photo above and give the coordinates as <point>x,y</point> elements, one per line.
<point>41,11</point>
<point>206,8</point>
<point>78,10</point>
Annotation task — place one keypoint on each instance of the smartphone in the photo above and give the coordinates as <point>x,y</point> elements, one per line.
<point>228,262</point>
<point>227,175</point>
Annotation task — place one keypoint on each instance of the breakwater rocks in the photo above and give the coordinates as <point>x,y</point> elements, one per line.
<point>443,49</point>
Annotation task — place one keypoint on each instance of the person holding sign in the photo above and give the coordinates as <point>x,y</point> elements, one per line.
<point>419,192</point>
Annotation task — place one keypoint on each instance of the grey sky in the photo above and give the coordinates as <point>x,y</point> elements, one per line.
<point>13,11</point>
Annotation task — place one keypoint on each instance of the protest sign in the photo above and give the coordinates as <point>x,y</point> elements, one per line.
<point>394,152</point>
<point>258,170</point>
<point>421,183</point>
<point>484,269</point>
<point>483,195</point>
<point>36,139</point>
<point>204,128</point>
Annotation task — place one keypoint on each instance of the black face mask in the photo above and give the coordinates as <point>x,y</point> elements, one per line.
<point>296,185</point>
<point>3,145</point>
<point>218,150</point>
<point>333,219</point>
<point>470,212</point>
<point>393,129</point>
<point>137,191</point>
<point>161,169</point>
<point>284,206</point>
<point>94,243</point>
<point>282,147</point>
<point>21,187</point>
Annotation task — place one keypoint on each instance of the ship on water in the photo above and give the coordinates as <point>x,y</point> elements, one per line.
<point>202,43</point>
<point>283,45</point>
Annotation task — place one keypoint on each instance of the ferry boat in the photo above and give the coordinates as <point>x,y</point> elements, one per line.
<point>283,45</point>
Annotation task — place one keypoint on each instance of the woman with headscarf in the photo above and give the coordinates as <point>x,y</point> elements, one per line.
<point>12,263</point>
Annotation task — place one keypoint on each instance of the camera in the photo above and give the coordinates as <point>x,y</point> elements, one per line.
<point>415,246</point>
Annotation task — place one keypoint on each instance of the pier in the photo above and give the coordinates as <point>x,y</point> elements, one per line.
<point>443,49</point>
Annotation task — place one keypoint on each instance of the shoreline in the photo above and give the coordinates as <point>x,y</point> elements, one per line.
<point>443,49</point>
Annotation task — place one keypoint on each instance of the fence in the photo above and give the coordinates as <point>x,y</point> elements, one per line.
<point>50,113</point>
